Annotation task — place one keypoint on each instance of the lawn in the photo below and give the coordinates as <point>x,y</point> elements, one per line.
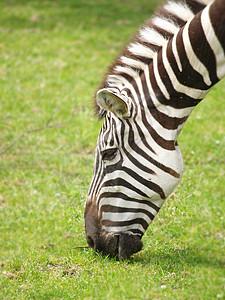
<point>53,55</point>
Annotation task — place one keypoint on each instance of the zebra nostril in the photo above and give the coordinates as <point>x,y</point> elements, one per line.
<point>128,245</point>
<point>117,240</point>
<point>90,242</point>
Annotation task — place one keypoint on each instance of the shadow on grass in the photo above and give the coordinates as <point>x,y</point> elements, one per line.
<point>177,257</point>
<point>167,260</point>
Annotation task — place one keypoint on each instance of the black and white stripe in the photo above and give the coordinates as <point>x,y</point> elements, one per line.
<point>147,95</point>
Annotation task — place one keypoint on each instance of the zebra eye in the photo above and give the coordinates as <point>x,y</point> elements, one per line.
<point>109,154</point>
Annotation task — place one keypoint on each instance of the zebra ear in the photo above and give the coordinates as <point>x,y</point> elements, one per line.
<point>113,102</point>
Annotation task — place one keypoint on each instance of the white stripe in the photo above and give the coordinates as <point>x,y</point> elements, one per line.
<point>141,50</point>
<point>213,42</point>
<point>143,188</point>
<point>126,204</point>
<point>115,80</point>
<point>179,87</point>
<point>168,110</point>
<point>175,53</point>
<point>172,112</point>
<point>126,70</point>
<point>180,10</point>
<point>193,59</point>
<point>150,35</point>
<point>125,216</point>
<point>126,191</point>
<point>165,24</point>
<point>205,2</point>
<point>124,228</point>
<point>158,79</point>
<point>95,176</point>
<point>133,63</point>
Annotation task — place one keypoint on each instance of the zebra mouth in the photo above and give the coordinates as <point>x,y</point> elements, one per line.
<point>121,245</point>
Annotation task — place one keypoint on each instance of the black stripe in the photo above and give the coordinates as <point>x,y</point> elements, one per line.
<point>151,185</point>
<point>149,158</point>
<point>202,48</point>
<point>195,6</point>
<point>163,13</point>
<point>167,122</point>
<point>153,47</point>
<point>177,100</point>
<point>217,17</point>
<point>194,79</point>
<point>125,223</point>
<point>124,183</point>
<point>130,157</point>
<point>166,144</point>
<point>107,130</point>
<point>140,132</point>
<point>115,131</point>
<point>127,198</point>
<point>118,209</point>
<point>100,176</point>
<point>144,59</point>
<point>95,175</point>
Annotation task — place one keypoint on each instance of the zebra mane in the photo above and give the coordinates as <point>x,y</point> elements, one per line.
<point>147,42</point>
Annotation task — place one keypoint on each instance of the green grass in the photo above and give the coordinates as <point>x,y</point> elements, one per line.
<point>53,55</point>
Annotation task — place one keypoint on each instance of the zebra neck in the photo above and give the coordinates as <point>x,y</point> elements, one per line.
<point>180,73</point>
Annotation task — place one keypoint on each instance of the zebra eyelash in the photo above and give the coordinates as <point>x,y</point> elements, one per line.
<point>109,154</point>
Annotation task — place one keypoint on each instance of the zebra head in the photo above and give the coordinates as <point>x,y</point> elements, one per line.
<point>149,92</point>
<point>126,189</point>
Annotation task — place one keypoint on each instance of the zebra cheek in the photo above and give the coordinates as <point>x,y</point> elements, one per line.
<point>91,223</point>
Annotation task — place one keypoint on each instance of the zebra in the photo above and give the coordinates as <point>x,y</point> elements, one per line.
<point>150,90</point>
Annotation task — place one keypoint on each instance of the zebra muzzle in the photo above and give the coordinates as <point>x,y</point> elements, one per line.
<point>121,245</point>
<point>111,243</point>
